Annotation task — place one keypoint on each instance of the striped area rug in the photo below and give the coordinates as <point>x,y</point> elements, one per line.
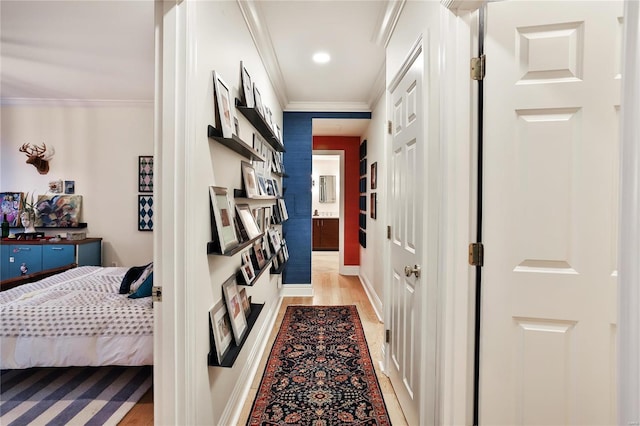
<point>71,396</point>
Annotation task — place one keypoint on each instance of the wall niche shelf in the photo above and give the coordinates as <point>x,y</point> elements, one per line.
<point>260,125</point>
<point>213,247</point>
<point>234,350</point>
<point>235,144</point>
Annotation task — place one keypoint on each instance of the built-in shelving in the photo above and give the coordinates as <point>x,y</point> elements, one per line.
<point>213,247</point>
<point>258,121</point>
<point>230,358</point>
<point>235,144</point>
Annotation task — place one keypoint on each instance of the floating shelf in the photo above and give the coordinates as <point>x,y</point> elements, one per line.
<point>261,125</point>
<point>235,144</point>
<point>214,248</point>
<point>259,272</point>
<point>230,358</point>
<point>280,268</point>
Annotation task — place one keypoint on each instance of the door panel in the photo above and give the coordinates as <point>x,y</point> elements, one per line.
<point>550,207</point>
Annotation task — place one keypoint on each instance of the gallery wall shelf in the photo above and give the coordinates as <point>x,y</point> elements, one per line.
<point>261,125</point>
<point>234,350</point>
<point>258,272</point>
<point>235,144</point>
<point>213,247</point>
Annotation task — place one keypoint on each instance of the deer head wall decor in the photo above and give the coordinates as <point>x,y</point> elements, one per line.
<point>38,156</point>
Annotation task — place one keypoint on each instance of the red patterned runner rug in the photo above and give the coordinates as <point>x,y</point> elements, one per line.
<point>319,372</point>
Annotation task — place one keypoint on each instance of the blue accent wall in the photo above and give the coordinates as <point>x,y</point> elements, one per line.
<point>298,139</point>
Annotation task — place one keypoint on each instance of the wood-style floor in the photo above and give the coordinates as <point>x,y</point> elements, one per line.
<point>330,288</point>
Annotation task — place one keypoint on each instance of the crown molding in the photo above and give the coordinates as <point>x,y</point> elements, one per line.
<point>75,102</point>
<point>328,106</point>
<point>378,87</point>
<point>387,22</point>
<point>462,5</point>
<point>262,39</point>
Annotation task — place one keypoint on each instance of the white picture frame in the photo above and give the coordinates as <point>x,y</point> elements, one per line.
<point>274,237</point>
<point>222,331</point>
<point>248,272</point>
<point>222,227</point>
<point>234,307</point>
<point>250,180</point>
<point>284,214</point>
<point>225,106</point>
<point>247,86</point>
<point>248,221</point>
<point>246,305</point>
<point>258,100</point>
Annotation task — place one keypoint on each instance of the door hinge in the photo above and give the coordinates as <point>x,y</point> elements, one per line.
<point>476,254</point>
<point>389,126</point>
<point>387,336</point>
<point>156,294</point>
<point>388,232</point>
<point>478,68</point>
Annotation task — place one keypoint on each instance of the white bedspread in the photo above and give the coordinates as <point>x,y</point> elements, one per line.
<point>75,318</point>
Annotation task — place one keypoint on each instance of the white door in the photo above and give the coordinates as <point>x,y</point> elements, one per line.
<point>406,235</point>
<point>550,207</point>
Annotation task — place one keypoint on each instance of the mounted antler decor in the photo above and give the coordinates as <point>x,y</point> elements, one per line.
<point>38,156</point>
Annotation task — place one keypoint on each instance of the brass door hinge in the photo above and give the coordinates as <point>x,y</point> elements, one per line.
<point>156,294</point>
<point>478,68</point>
<point>476,254</point>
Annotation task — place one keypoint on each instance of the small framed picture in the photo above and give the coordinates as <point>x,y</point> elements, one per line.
<point>374,204</point>
<point>246,305</point>
<point>246,257</point>
<point>234,306</point>
<point>270,190</point>
<point>247,87</point>
<point>258,100</point>
<point>250,180</point>
<point>265,247</point>
<point>283,209</point>
<point>374,175</point>
<point>258,255</point>
<point>55,187</point>
<point>145,173</point>
<point>226,111</point>
<point>262,185</point>
<point>222,226</point>
<point>248,272</point>
<point>69,186</point>
<point>285,250</point>
<point>247,221</point>
<point>145,213</point>
<point>274,238</point>
<point>10,207</point>
<point>221,326</point>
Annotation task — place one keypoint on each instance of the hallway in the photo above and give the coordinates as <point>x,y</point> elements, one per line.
<point>330,288</point>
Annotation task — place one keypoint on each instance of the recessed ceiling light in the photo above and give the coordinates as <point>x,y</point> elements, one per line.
<point>321,57</point>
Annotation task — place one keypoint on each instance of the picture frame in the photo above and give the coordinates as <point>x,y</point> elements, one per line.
<point>250,180</point>
<point>56,187</point>
<point>248,272</point>
<point>284,214</point>
<point>145,212</point>
<point>10,206</point>
<point>221,327</point>
<point>257,98</point>
<point>226,111</point>
<point>247,221</point>
<point>285,250</point>
<point>258,255</point>
<point>244,301</point>
<point>234,307</point>
<point>270,189</point>
<point>69,186</point>
<point>274,238</point>
<point>266,249</point>
<point>276,189</point>
<point>222,225</point>
<point>246,257</point>
<point>262,185</point>
<point>373,206</point>
<point>374,175</point>
<point>145,175</point>
<point>247,86</point>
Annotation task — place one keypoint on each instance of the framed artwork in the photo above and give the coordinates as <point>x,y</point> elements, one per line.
<point>62,210</point>
<point>145,212</point>
<point>10,205</point>
<point>258,255</point>
<point>70,186</point>
<point>250,180</point>
<point>226,113</point>
<point>222,226</point>
<point>266,249</point>
<point>258,100</point>
<point>145,174</point>
<point>55,186</point>
<point>262,185</point>
<point>234,306</point>
<point>274,237</point>
<point>276,190</point>
<point>270,189</point>
<point>374,203</point>
<point>285,250</point>
<point>246,257</point>
<point>247,221</point>
<point>247,86</point>
<point>221,326</point>
<point>374,175</point>
<point>248,272</point>
<point>284,215</point>
<point>244,300</point>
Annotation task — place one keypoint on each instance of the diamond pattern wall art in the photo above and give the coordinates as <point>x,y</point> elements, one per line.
<point>145,213</point>
<point>145,173</point>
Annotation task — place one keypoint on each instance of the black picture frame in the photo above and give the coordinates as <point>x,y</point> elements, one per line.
<point>145,174</point>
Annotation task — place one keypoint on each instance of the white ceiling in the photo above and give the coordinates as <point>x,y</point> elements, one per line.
<point>103,50</point>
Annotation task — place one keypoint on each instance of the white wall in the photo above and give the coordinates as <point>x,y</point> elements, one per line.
<point>97,145</point>
<point>325,165</point>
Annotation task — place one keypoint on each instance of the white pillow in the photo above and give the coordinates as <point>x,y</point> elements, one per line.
<point>137,283</point>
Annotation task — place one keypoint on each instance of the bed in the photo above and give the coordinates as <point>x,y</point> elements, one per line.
<point>75,318</point>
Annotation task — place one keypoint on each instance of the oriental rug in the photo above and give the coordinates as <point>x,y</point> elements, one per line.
<point>319,372</point>
<point>71,395</point>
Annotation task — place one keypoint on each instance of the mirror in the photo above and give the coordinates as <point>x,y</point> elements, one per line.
<point>327,189</point>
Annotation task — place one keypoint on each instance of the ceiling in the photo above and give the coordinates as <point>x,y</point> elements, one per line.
<point>104,50</point>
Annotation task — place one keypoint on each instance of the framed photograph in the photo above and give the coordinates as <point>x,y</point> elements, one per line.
<point>285,250</point>
<point>374,175</point>
<point>247,87</point>
<point>69,186</point>
<point>262,185</point>
<point>10,205</point>
<point>248,272</point>
<point>275,262</point>
<point>246,257</point>
<point>250,180</point>
<point>234,306</point>
<point>244,300</point>
<point>276,190</point>
<point>221,326</point>
<point>226,111</point>
<point>284,215</point>
<point>145,212</point>
<point>222,226</point>
<point>247,221</point>
<point>374,203</point>
<point>266,249</point>
<point>145,174</point>
<point>279,134</point>
<point>274,237</point>
<point>270,189</point>
<point>258,100</point>
<point>258,255</point>
<point>55,186</point>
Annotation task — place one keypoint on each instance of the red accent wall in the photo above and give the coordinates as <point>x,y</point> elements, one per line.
<point>351,147</point>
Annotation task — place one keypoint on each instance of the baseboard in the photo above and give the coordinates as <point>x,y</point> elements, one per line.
<point>231,413</point>
<point>373,297</point>
<point>349,270</point>
<point>296,290</point>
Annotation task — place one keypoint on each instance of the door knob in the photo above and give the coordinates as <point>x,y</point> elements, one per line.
<point>408,270</point>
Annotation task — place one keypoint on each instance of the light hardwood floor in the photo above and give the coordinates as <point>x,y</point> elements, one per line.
<point>330,288</point>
